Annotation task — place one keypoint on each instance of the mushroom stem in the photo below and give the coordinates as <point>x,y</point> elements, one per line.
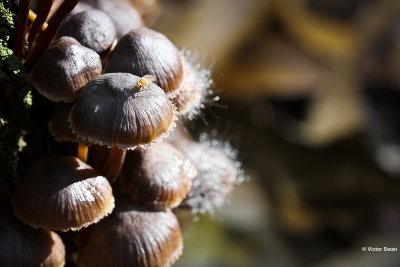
<point>114,162</point>
<point>82,152</point>
<point>32,16</point>
<point>44,39</point>
<point>39,21</point>
<point>21,28</point>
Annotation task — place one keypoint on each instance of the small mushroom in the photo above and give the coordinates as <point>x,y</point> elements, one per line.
<point>132,236</point>
<point>122,110</point>
<point>21,245</point>
<point>122,13</point>
<point>144,51</point>
<point>62,193</point>
<point>64,68</point>
<point>91,28</point>
<point>217,174</point>
<point>159,176</point>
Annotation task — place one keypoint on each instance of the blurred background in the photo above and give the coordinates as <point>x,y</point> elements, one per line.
<point>310,96</point>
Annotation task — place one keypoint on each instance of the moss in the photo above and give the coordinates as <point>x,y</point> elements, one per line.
<point>15,98</point>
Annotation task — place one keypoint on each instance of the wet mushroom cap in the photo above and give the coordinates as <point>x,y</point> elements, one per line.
<point>113,110</point>
<point>62,193</point>
<point>159,176</point>
<point>21,245</point>
<point>132,236</point>
<point>64,68</point>
<point>144,51</point>
<point>91,28</point>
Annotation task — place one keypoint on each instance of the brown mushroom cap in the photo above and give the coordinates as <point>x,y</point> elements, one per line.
<point>111,110</point>
<point>91,28</point>
<point>144,51</point>
<point>21,245</point>
<point>132,236</point>
<point>62,193</point>
<point>122,13</point>
<point>158,176</point>
<point>64,68</point>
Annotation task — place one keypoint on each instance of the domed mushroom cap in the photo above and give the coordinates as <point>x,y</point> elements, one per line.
<point>216,176</point>
<point>132,236</point>
<point>159,176</point>
<point>62,193</point>
<point>123,14</point>
<point>64,68</point>
<point>144,51</point>
<point>114,109</point>
<point>21,245</point>
<point>91,28</point>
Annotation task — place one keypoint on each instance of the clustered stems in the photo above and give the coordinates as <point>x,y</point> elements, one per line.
<point>38,23</point>
<point>40,33</point>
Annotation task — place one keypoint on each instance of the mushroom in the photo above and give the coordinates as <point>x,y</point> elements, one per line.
<point>62,193</point>
<point>45,37</point>
<point>121,12</point>
<point>91,28</point>
<point>159,176</point>
<point>194,90</point>
<point>144,51</point>
<point>122,110</point>
<point>132,236</point>
<point>21,245</point>
<point>216,175</point>
<point>64,68</point>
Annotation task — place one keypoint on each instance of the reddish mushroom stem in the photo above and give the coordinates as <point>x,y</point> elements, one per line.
<point>114,162</point>
<point>43,11</point>
<point>22,23</point>
<point>44,39</point>
<point>82,152</point>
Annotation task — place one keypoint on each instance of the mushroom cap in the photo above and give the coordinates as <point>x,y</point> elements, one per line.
<point>132,236</point>
<point>123,14</point>
<point>158,176</point>
<point>64,68</point>
<point>62,193</point>
<point>21,245</point>
<point>59,124</point>
<point>91,28</point>
<point>111,110</point>
<point>216,176</point>
<point>144,51</point>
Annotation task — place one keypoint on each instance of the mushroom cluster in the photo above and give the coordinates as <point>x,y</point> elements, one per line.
<point>118,89</point>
